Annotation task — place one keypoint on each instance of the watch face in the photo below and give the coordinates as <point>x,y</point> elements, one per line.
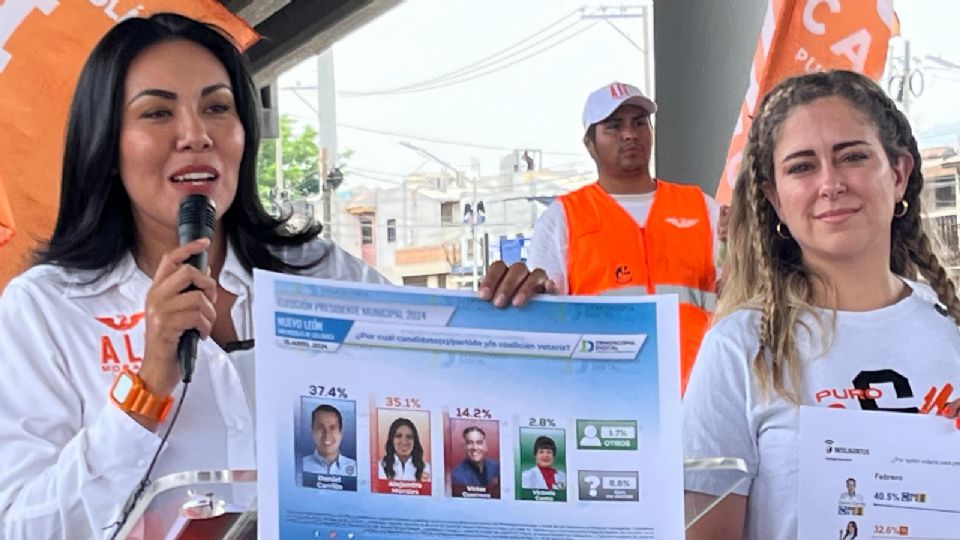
<point>122,388</point>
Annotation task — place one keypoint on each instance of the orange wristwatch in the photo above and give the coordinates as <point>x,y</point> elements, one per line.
<point>129,394</point>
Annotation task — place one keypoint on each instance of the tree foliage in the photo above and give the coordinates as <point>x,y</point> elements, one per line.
<point>300,159</point>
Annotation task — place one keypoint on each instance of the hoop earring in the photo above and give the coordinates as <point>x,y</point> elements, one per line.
<point>901,210</point>
<point>780,232</point>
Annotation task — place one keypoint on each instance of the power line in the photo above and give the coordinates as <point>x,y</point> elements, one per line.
<point>471,66</point>
<point>447,141</point>
<point>481,146</point>
<point>482,73</point>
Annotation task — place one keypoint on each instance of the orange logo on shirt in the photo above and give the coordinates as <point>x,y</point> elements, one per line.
<point>110,352</point>
<point>122,323</point>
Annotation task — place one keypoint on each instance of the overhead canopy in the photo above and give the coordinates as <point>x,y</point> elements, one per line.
<point>297,29</point>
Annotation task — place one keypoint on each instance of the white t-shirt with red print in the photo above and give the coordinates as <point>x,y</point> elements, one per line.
<point>905,357</point>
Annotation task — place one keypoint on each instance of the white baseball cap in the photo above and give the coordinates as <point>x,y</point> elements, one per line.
<point>601,103</point>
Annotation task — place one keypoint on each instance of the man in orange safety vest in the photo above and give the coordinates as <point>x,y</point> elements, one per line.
<point>627,233</point>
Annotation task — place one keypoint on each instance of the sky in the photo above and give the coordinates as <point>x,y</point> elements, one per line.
<point>534,98</point>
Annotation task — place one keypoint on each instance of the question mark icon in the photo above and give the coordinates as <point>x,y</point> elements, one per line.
<point>593,481</point>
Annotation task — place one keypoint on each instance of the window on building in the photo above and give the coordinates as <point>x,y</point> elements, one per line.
<point>391,230</point>
<point>366,230</point>
<point>449,212</point>
<point>945,196</point>
<point>940,193</point>
<point>415,281</point>
<point>944,229</point>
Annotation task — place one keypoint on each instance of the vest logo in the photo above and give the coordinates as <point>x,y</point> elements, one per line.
<point>682,223</point>
<point>117,351</point>
<point>622,274</point>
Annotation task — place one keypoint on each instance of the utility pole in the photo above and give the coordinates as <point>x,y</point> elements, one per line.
<point>907,82</point>
<point>325,108</point>
<point>278,158</point>
<point>606,13</point>
<point>473,226</point>
<point>327,192</point>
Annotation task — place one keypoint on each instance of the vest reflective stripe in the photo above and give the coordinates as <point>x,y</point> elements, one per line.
<point>704,300</point>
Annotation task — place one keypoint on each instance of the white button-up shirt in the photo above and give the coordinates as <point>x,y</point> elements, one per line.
<point>69,458</point>
<point>342,466</point>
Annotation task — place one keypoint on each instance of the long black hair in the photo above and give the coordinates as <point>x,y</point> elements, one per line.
<point>391,451</point>
<point>95,227</point>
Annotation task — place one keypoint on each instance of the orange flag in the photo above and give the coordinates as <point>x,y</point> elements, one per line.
<point>6,217</point>
<point>805,36</point>
<point>43,44</point>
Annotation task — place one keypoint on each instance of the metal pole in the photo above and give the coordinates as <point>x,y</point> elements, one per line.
<point>646,54</point>
<point>278,158</point>
<point>473,234</point>
<point>906,77</point>
<point>326,194</point>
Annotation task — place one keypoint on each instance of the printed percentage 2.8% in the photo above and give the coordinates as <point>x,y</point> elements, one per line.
<point>475,412</point>
<point>328,391</point>
<point>542,422</point>
<point>403,403</point>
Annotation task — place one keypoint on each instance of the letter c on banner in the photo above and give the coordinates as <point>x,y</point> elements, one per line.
<point>813,25</point>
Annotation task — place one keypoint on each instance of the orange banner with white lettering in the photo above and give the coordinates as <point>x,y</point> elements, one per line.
<point>805,36</point>
<point>43,44</point>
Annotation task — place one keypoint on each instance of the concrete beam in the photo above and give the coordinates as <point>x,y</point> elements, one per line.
<point>703,56</point>
<point>302,28</point>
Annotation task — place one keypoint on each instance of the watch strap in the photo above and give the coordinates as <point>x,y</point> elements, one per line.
<point>140,401</point>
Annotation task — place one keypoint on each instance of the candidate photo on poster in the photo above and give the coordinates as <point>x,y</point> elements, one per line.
<point>850,531</point>
<point>851,503</point>
<point>402,452</point>
<point>542,464</point>
<point>326,444</point>
<point>472,459</point>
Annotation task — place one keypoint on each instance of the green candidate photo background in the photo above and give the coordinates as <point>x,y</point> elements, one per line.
<point>526,459</point>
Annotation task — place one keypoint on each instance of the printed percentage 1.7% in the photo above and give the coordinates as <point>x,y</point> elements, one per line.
<point>328,391</point>
<point>467,412</point>
<point>542,422</point>
<point>403,403</point>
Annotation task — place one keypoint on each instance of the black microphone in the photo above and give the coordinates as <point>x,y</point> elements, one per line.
<point>196,219</point>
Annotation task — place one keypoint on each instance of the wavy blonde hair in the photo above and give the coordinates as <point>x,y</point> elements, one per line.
<point>765,271</point>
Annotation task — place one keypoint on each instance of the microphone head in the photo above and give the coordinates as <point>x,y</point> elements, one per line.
<point>196,218</point>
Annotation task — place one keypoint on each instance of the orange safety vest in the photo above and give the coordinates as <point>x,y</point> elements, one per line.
<point>671,254</point>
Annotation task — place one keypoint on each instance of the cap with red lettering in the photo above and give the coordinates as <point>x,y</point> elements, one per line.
<point>601,103</point>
